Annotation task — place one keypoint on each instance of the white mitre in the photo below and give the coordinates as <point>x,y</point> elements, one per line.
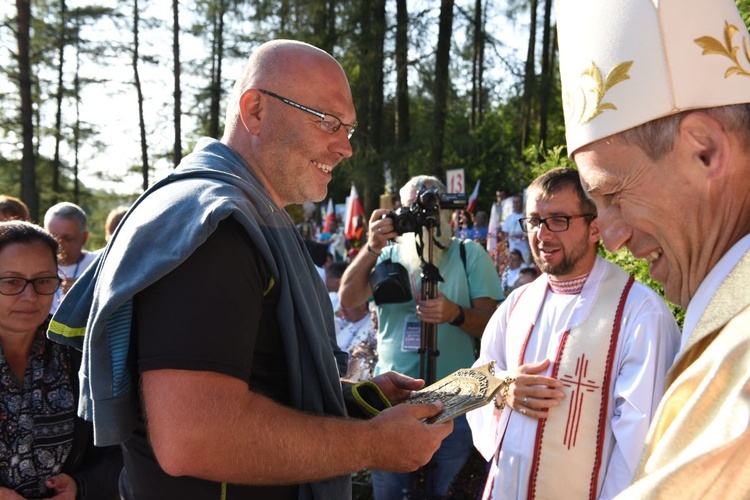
<point>627,62</point>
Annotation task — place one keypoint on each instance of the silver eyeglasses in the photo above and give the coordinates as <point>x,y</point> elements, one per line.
<point>330,124</point>
<point>42,286</point>
<point>556,223</point>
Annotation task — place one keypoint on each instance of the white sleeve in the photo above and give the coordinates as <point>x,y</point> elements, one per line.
<point>650,343</point>
<point>486,422</point>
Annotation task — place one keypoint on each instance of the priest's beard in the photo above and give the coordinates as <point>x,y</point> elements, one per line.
<point>567,266</point>
<point>408,242</point>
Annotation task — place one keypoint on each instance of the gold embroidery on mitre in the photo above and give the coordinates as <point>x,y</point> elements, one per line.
<point>592,90</point>
<point>711,45</point>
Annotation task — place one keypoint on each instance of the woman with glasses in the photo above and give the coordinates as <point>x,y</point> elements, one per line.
<point>45,449</point>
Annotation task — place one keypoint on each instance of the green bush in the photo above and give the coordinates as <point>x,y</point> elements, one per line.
<point>639,269</point>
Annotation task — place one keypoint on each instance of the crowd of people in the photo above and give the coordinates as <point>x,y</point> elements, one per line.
<point>499,233</point>
<point>216,349</point>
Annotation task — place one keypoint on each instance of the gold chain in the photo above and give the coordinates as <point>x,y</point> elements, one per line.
<point>503,393</point>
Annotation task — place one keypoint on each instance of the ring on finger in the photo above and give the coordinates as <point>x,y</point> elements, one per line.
<point>524,400</point>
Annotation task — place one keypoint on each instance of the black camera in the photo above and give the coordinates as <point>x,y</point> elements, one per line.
<point>425,210</point>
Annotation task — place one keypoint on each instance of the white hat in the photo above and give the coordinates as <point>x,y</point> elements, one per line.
<point>627,62</point>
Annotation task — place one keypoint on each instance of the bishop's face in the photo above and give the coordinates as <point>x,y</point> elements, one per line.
<point>672,232</point>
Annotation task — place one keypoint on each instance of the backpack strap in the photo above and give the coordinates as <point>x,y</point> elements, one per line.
<point>462,251</point>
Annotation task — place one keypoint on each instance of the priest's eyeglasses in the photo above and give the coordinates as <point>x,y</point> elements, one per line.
<point>42,286</point>
<point>329,124</point>
<point>556,223</point>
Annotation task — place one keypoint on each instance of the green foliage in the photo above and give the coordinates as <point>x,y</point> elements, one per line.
<point>744,7</point>
<point>489,150</point>
<point>543,160</point>
<point>639,269</point>
<point>10,177</point>
<point>97,205</point>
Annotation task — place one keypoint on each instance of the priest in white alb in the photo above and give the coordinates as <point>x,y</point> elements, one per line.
<point>586,348</point>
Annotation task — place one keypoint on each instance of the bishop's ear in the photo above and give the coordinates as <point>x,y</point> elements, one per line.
<point>707,142</point>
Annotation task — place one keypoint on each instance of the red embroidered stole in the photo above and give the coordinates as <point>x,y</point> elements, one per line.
<point>571,438</point>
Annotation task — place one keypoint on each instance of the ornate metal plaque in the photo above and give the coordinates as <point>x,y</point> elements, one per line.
<point>461,391</point>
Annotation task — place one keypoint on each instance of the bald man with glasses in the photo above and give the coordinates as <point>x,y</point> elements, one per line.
<point>211,345</point>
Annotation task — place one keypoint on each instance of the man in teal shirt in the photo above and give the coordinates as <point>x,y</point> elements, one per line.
<point>467,297</point>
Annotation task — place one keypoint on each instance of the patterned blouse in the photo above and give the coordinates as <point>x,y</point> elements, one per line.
<point>36,419</point>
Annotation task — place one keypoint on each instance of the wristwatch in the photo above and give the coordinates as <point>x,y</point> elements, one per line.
<point>460,318</point>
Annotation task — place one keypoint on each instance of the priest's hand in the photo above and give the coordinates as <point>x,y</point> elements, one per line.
<point>533,395</point>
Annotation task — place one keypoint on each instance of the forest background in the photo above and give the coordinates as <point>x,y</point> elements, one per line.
<point>437,84</point>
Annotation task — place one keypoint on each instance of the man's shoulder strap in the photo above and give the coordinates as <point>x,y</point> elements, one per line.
<point>462,251</point>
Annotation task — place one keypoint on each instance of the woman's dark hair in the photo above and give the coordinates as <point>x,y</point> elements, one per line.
<point>16,231</point>
<point>11,208</point>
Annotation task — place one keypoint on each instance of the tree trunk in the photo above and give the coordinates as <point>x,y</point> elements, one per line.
<point>61,42</point>
<point>442,63</point>
<point>324,22</point>
<point>403,123</point>
<point>363,15</point>
<point>374,176</point>
<point>333,34</point>
<point>529,79</point>
<point>480,63</point>
<point>476,65</point>
<point>139,91</point>
<point>403,131</point>
<point>548,50</point>
<point>377,34</point>
<point>29,192</point>
<point>218,55</point>
<point>177,152</point>
<point>77,127</point>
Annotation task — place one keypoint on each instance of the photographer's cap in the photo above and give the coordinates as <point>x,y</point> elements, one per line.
<point>627,62</point>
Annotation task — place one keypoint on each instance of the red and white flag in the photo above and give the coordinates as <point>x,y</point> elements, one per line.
<point>330,217</point>
<point>472,205</point>
<point>353,209</point>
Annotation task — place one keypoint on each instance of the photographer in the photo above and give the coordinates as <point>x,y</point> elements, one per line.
<point>467,297</point>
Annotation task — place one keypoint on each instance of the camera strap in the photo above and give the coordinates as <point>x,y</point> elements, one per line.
<point>462,251</point>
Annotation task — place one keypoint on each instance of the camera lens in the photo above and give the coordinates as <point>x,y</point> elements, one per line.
<point>404,221</point>
<point>429,199</point>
